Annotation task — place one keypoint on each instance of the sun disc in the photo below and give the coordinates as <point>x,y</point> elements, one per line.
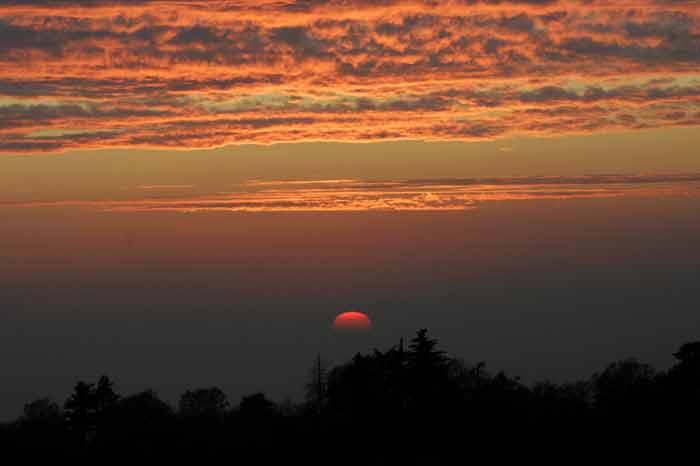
<point>353,321</point>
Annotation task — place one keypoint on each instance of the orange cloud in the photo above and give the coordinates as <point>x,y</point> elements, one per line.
<point>397,195</point>
<point>89,74</point>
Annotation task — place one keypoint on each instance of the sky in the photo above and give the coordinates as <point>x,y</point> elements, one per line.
<point>190,192</point>
<point>143,74</point>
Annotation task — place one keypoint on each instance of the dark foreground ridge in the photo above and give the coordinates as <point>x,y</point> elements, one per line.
<point>413,405</point>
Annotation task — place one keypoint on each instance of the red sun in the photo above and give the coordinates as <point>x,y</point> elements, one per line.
<point>352,320</point>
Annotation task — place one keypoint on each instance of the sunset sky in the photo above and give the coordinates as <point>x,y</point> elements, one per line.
<point>142,74</point>
<point>190,192</point>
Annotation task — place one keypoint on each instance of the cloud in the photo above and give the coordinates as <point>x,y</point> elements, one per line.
<point>434,195</point>
<point>163,187</point>
<point>203,74</point>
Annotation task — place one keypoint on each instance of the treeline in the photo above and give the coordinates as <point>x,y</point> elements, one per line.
<point>406,405</point>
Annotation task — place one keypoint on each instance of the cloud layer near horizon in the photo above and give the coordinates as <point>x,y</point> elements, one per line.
<point>89,74</point>
<point>348,195</point>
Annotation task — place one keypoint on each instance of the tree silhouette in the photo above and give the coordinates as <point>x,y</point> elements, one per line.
<point>689,354</point>
<point>256,406</point>
<point>423,355</point>
<point>43,410</point>
<point>427,373</point>
<point>80,409</point>
<point>41,431</point>
<point>623,387</point>
<point>205,402</point>
<point>140,425</point>
<point>105,396</point>
<point>145,408</point>
<point>683,382</point>
<point>398,406</point>
<point>316,387</point>
<point>554,405</point>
